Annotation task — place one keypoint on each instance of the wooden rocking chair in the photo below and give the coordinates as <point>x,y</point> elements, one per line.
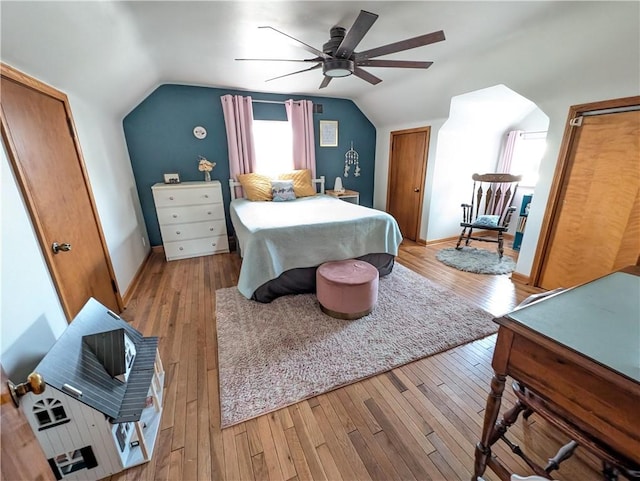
<point>490,208</point>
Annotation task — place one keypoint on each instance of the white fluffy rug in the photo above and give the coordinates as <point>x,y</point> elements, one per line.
<point>273,355</point>
<point>479,261</point>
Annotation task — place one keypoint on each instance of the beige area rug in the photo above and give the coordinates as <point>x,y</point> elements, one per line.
<point>273,355</point>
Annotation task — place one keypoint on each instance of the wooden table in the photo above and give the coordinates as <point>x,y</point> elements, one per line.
<point>575,361</point>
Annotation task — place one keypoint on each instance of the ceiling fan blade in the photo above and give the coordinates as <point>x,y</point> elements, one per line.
<point>317,59</point>
<point>394,63</point>
<point>364,75</point>
<point>402,45</point>
<point>293,73</point>
<point>325,82</point>
<point>307,47</point>
<point>356,33</point>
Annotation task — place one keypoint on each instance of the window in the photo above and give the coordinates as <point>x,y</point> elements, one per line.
<point>527,154</point>
<point>67,463</point>
<point>274,148</point>
<point>49,412</point>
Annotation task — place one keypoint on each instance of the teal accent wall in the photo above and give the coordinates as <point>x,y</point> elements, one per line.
<point>159,136</point>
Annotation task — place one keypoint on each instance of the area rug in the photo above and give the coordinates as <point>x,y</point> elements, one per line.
<point>273,355</point>
<point>480,261</point>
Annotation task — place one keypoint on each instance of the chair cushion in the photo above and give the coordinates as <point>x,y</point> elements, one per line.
<point>486,221</point>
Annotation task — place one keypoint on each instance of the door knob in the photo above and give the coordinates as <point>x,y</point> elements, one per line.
<point>64,247</point>
<point>416,190</point>
<point>35,384</point>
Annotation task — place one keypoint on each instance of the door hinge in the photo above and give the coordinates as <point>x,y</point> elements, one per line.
<point>113,284</point>
<point>576,121</point>
<point>70,128</point>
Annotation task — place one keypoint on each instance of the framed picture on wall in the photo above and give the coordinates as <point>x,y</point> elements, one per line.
<point>328,133</point>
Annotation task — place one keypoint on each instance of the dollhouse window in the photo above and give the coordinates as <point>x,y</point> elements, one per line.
<point>66,463</point>
<point>49,412</point>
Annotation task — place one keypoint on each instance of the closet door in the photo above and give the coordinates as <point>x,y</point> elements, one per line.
<point>595,225</point>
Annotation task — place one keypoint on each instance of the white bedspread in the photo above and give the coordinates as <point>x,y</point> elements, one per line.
<point>277,236</point>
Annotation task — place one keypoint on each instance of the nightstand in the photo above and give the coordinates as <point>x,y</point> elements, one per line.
<point>348,195</point>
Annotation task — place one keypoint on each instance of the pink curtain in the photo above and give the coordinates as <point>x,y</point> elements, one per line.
<point>504,164</point>
<point>300,114</point>
<point>238,119</point>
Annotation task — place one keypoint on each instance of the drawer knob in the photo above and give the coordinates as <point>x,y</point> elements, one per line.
<point>175,216</point>
<point>181,248</point>
<point>170,197</point>
<point>213,244</point>
<point>178,232</point>
<point>206,196</point>
<point>209,213</point>
<point>211,229</point>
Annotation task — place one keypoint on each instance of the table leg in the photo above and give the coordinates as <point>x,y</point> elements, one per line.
<point>483,448</point>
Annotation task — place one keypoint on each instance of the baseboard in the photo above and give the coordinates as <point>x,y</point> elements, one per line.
<point>519,278</point>
<point>136,280</point>
<point>422,242</point>
<point>507,237</point>
<point>158,249</point>
<point>440,241</point>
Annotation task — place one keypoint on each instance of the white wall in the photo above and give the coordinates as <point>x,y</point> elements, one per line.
<point>31,315</point>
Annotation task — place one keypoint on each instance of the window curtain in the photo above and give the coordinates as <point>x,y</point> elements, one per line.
<point>300,114</point>
<point>238,120</point>
<point>504,163</point>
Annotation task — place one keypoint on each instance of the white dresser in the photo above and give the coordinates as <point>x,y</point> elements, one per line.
<point>191,218</point>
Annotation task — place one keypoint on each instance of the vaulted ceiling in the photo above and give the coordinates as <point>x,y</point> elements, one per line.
<point>115,53</point>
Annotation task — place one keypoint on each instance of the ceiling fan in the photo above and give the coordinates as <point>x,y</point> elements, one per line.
<point>338,57</point>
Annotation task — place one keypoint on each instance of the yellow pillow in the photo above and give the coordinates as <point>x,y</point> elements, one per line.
<point>256,186</point>
<point>302,185</point>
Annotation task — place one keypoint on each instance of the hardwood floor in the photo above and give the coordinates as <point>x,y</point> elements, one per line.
<point>418,422</point>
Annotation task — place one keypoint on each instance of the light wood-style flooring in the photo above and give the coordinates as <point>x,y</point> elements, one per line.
<point>418,422</point>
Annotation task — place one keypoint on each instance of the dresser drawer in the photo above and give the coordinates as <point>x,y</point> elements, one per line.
<point>194,230</point>
<point>170,196</point>
<point>191,213</point>
<point>196,247</point>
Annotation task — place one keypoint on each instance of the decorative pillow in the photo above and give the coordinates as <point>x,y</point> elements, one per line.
<point>302,184</point>
<point>282,190</point>
<point>256,186</point>
<point>486,221</point>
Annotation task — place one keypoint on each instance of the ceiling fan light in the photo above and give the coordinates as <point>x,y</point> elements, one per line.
<point>337,67</point>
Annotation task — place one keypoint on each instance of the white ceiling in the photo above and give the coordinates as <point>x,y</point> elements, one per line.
<point>115,53</point>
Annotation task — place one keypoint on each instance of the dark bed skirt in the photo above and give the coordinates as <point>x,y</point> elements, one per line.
<point>303,280</point>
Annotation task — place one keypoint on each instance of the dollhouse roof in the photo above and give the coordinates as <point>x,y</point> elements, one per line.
<point>109,348</point>
<point>71,366</point>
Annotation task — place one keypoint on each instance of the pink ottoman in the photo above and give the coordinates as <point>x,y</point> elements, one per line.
<point>347,289</point>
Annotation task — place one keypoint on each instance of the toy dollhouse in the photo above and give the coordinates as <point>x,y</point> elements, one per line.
<point>100,411</point>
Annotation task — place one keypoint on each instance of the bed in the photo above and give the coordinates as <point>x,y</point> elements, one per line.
<point>283,243</point>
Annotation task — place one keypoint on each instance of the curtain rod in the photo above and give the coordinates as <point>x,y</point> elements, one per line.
<point>257,101</point>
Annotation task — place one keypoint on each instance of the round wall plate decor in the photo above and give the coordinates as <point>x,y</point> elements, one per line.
<point>199,132</point>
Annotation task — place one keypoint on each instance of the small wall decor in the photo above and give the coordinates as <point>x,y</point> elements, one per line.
<point>205,166</point>
<point>199,132</point>
<point>172,178</point>
<point>328,133</point>
<point>351,158</point>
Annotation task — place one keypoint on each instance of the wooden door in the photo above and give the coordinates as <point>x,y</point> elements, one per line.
<point>22,456</point>
<point>407,170</point>
<point>42,144</point>
<point>595,224</point>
